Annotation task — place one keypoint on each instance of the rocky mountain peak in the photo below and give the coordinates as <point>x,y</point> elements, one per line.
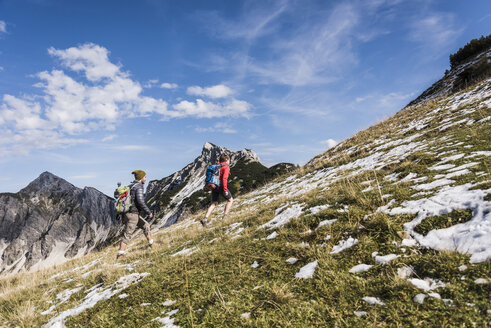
<point>249,155</point>
<point>211,153</point>
<point>48,183</point>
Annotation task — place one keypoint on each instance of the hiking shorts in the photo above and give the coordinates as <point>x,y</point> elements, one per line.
<point>219,191</point>
<point>132,221</point>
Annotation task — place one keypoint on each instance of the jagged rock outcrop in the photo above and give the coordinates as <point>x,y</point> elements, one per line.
<point>51,221</point>
<point>175,196</point>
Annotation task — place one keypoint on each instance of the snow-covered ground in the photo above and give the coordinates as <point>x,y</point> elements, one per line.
<point>95,295</point>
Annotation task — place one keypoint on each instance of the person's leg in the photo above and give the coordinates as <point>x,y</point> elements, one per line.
<point>210,209</point>
<point>145,226</point>
<point>214,201</point>
<point>228,206</point>
<point>130,221</point>
<point>230,200</point>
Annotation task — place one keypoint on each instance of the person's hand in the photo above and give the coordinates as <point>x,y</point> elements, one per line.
<point>150,215</point>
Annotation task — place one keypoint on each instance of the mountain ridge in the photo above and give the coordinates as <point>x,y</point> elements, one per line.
<point>50,221</point>
<point>181,192</point>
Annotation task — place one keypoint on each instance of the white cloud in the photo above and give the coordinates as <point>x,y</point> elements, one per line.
<point>314,54</point>
<point>259,21</point>
<point>166,85</point>
<point>89,58</point>
<point>203,109</point>
<point>329,142</point>
<point>435,32</point>
<point>3,27</point>
<point>22,142</point>
<point>218,127</point>
<point>1,68</point>
<point>97,98</point>
<point>217,91</point>
<point>109,137</point>
<point>151,83</point>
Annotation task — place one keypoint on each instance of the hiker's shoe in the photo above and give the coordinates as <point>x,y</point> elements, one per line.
<point>120,256</point>
<point>149,247</point>
<point>204,222</point>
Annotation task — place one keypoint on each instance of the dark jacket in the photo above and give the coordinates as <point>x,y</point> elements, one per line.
<point>138,204</point>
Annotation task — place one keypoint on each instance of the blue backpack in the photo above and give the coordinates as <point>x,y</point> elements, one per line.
<point>212,179</point>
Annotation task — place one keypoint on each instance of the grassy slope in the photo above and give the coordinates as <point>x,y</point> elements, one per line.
<point>215,285</point>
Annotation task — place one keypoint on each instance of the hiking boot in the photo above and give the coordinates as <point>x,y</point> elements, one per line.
<point>204,222</point>
<point>149,247</point>
<point>120,256</point>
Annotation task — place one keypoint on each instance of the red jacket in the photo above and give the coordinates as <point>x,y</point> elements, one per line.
<point>224,173</point>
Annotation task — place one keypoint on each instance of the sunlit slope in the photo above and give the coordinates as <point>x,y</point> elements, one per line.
<point>391,227</point>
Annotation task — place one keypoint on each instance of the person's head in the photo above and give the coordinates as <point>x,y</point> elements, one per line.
<point>140,175</point>
<point>224,158</point>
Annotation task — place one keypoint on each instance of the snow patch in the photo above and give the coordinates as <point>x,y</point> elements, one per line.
<point>344,244</point>
<point>168,302</point>
<point>360,268</point>
<point>473,237</point>
<point>95,296</point>
<point>186,251</point>
<point>292,260</point>
<point>167,321</point>
<point>283,217</point>
<point>420,298</point>
<point>427,284</point>
<point>326,223</point>
<point>385,259</point>
<point>373,300</point>
<point>307,271</point>
<point>317,209</point>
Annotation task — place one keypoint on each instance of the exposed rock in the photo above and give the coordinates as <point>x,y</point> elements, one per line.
<point>174,197</point>
<point>51,221</point>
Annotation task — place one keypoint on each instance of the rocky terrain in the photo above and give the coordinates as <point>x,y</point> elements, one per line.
<point>175,197</point>
<point>51,221</point>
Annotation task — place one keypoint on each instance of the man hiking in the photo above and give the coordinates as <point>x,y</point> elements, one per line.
<point>221,189</point>
<point>132,218</point>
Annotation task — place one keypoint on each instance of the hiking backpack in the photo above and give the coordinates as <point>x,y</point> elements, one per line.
<point>212,179</point>
<point>123,199</point>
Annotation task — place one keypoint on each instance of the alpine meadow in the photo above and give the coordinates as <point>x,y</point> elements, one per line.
<point>390,228</point>
<point>245,163</point>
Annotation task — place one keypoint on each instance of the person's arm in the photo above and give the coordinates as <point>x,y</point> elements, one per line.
<point>226,172</point>
<point>140,200</point>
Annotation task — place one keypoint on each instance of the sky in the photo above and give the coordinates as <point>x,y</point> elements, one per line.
<point>92,90</point>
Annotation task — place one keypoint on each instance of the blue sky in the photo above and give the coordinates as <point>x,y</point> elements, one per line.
<point>91,90</point>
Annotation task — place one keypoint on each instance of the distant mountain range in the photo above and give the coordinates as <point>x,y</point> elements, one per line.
<point>51,220</point>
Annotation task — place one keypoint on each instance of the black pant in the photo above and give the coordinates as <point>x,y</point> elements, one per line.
<point>219,191</point>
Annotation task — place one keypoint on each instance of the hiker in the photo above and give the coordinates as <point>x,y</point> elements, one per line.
<point>132,218</point>
<point>220,189</point>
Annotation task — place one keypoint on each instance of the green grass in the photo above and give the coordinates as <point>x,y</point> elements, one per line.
<point>216,285</point>
<point>443,221</point>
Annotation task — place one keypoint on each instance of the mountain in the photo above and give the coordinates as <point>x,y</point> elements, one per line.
<point>390,228</point>
<point>51,221</point>
<point>473,68</point>
<point>178,195</point>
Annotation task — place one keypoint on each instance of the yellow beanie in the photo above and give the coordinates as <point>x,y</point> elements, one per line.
<point>139,174</point>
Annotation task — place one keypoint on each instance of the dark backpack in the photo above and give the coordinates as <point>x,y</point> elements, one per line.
<point>212,180</point>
